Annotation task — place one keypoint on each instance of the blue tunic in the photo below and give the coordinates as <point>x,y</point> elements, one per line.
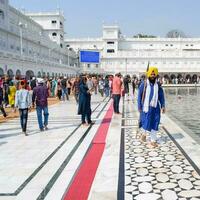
<point>150,120</point>
<point>84,100</point>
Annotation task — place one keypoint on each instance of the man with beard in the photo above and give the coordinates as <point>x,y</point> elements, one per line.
<point>151,102</point>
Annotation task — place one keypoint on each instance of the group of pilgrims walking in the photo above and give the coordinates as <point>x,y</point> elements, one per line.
<point>27,94</point>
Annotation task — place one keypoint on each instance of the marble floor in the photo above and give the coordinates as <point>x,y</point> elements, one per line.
<point>42,165</point>
<point>31,167</point>
<point>159,173</point>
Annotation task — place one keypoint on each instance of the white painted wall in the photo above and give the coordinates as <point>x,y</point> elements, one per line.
<point>39,52</point>
<point>132,54</point>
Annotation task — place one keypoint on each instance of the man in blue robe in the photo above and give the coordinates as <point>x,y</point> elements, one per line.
<point>151,102</point>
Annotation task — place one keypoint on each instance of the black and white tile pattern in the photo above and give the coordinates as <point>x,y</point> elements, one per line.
<point>159,173</point>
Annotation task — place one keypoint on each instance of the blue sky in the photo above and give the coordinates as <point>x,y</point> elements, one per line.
<point>84,18</point>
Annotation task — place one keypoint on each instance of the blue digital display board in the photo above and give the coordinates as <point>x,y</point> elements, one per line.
<point>89,57</point>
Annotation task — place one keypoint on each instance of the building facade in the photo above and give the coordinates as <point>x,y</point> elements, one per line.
<point>173,56</point>
<point>33,44</point>
<point>28,47</point>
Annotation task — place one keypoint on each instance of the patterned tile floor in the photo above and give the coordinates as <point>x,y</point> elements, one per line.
<point>160,173</point>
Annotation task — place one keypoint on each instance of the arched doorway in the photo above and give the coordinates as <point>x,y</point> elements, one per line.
<point>18,74</point>
<point>166,76</point>
<point>29,74</point>
<point>179,76</point>
<point>172,76</point>
<point>1,72</point>
<point>188,78</point>
<point>194,78</point>
<point>10,73</point>
<point>43,75</point>
<point>39,75</point>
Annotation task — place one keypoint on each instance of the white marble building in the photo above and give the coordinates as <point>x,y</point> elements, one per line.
<point>28,47</point>
<point>173,56</point>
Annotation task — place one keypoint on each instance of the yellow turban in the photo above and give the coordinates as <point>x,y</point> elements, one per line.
<point>152,69</point>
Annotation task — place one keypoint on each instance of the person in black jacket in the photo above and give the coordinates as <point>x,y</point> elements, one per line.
<point>84,108</point>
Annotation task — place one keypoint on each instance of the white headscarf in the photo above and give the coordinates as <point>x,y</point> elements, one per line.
<point>154,100</point>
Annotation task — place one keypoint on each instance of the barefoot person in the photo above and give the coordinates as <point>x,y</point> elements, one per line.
<point>116,92</point>
<point>151,101</point>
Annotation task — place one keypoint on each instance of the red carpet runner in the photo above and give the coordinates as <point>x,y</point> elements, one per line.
<point>81,185</point>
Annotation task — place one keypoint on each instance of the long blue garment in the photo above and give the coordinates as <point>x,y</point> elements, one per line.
<point>84,100</point>
<point>150,120</point>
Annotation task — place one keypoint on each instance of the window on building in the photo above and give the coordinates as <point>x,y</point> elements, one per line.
<point>88,65</point>
<point>191,45</point>
<point>151,45</point>
<point>61,37</point>
<point>54,22</point>
<point>171,45</point>
<point>61,45</point>
<point>61,25</point>
<point>18,48</point>
<point>110,42</point>
<point>166,45</point>
<point>54,34</point>
<point>110,51</point>
<point>97,65</point>
<point>1,14</point>
<point>186,45</point>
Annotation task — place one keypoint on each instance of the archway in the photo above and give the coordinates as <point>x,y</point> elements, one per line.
<point>188,78</point>
<point>179,76</point>
<point>172,76</point>
<point>166,76</point>
<point>1,72</point>
<point>18,74</point>
<point>48,74</point>
<point>39,75</point>
<point>29,74</point>
<point>194,78</point>
<point>10,73</point>
<point>43,74</point>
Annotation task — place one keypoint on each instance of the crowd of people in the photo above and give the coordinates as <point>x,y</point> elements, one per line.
<point>27,94</point>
